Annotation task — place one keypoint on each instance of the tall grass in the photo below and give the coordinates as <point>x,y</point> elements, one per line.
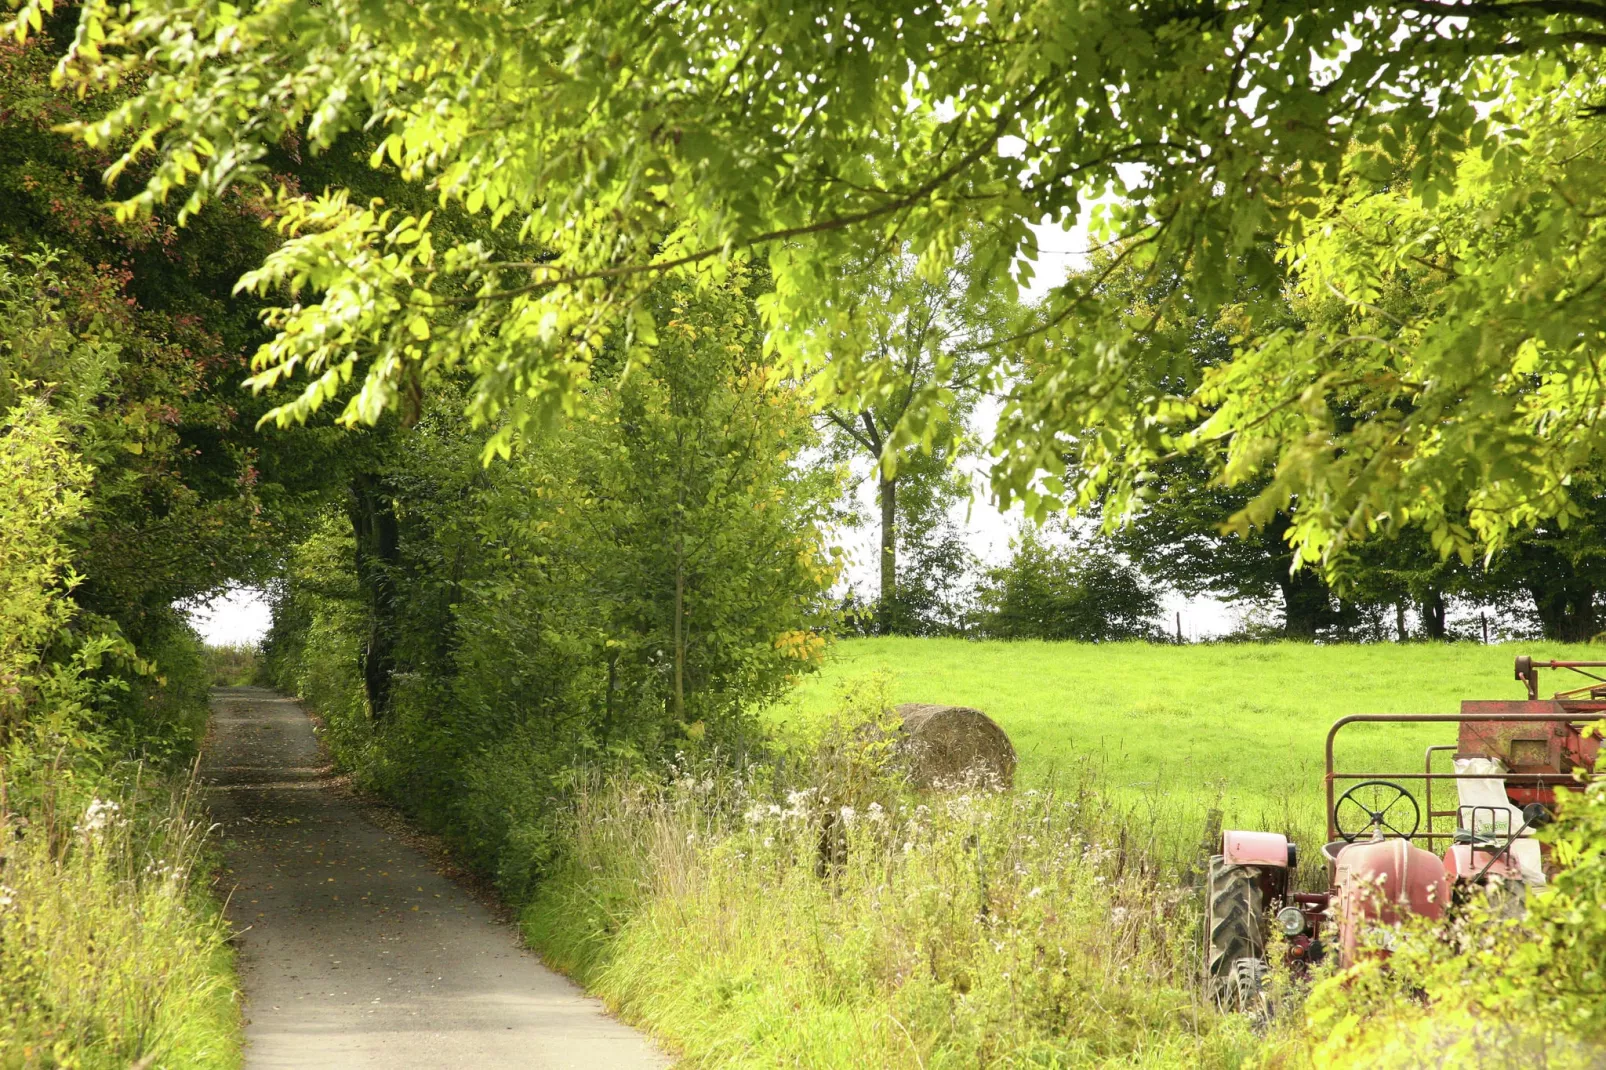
<point>233,664</point>
<point>823,915</point>
<point>112,954</point>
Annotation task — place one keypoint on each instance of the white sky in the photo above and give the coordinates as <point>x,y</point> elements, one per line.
<point>239,617</point>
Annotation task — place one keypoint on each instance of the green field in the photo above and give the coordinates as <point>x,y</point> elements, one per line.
<point>1172,730</point>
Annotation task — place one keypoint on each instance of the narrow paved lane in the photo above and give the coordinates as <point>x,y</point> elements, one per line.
<point>355,952</point>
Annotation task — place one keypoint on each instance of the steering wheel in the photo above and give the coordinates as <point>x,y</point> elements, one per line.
<point>1376,804</point>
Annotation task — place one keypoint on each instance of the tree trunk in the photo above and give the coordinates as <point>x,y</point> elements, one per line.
<point>1307,604</point>
<point>680,628</point>
<point>377,558</point>
<point>1433,609</point>
<point>1566,611</point>
<point>1399,620</point>
<point>680,578</point>
<point>889,553</point>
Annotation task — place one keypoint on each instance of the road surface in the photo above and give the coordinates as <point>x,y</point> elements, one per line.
<point>354,951</point>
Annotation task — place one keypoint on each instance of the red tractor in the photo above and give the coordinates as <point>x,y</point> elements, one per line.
<point>1390,851</point>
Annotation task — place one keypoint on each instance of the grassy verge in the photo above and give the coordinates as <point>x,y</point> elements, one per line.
<point>113,952</point>
<point>813,913</point>
<point>817,913</point>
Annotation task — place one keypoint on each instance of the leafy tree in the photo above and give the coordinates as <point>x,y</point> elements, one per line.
<point>1180,539</point>
<point>1077,591</point>
<point>1180,530</point>
<point>637,582</point>
<point>612,145</point>
<point>1188,530</point>
<point>936,567</point>
<point>185,496</point>
<point>926,373</point>
<point>1556,575</point>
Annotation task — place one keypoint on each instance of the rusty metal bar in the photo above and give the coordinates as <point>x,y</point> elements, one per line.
<point>1442,718</point>
<point>1527,672</point>
<point>1536,779</point>
<point>1427,767</point>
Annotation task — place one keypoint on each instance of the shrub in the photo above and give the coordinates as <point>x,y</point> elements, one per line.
<point>111,952</point>
<point>1077,591</point>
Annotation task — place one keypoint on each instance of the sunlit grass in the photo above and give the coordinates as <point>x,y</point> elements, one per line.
<point>112,954</point>
<point>1178,730</point>
<point>958,931</point>
<point>1054,926</point>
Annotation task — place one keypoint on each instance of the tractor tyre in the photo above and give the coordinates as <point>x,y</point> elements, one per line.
<point>1234,933</point>
<point>1249,989</point>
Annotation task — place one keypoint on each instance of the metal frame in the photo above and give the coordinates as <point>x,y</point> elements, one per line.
<point>1528,673</point>
<point>1428,776</point>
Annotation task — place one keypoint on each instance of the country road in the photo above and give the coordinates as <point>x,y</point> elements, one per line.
<point>353,951</point>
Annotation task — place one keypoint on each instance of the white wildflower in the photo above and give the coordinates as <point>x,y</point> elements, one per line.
<point>1035,893</point>
<point>101,814</point>
<point>875,814</point>
<point>849,815</point>
<point>8,896</point>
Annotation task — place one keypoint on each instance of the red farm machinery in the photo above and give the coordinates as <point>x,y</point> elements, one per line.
<point>1406,843</point>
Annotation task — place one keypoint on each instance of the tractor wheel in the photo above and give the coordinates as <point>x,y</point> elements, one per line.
<point>1234,933</point>
<point>1247,988</point>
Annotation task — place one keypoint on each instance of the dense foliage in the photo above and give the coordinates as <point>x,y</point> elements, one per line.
<point>1067,589</point>
<point>641,581</point>
<point>611,143</point>
<point>1186,531</point>
<point>111,952</point>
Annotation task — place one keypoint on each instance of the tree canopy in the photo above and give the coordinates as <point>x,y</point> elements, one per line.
<point>1377,146</point>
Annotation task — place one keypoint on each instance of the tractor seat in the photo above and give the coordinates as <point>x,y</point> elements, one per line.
<point>1485,791</point>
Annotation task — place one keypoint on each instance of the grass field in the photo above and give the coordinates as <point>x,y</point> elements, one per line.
<point>1054,928</point>
<point>1177,730</point>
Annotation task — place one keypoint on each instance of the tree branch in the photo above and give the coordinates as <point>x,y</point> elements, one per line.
<point>1007,114</point>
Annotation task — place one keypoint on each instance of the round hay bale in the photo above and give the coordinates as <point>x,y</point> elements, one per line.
<point>954,747</point>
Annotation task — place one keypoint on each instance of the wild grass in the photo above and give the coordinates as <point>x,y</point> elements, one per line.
<point>823,915</point>
<point>112,952</point>
<point>233,664</point>
<point>815,912</point>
